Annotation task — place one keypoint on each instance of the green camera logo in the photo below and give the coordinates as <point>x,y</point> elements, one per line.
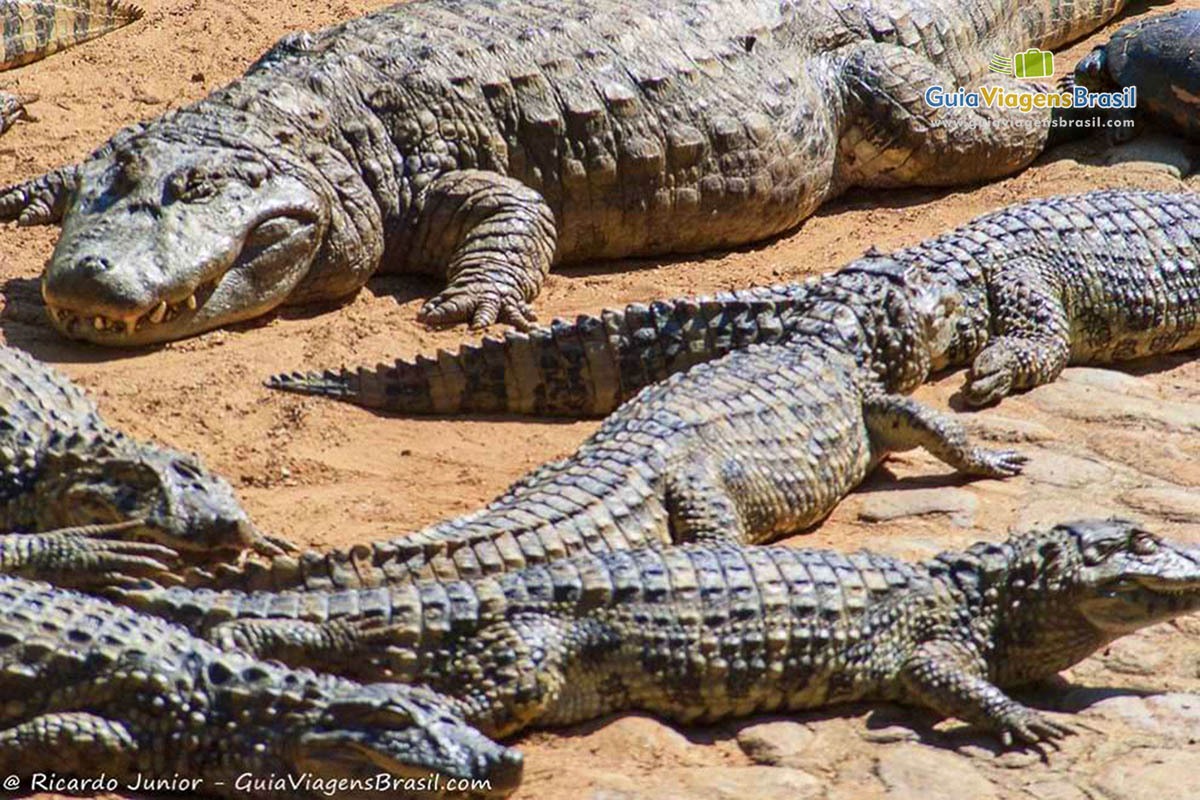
<point>1030,64</point>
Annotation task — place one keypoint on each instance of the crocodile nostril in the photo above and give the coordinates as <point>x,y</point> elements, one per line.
<point>93,265</point>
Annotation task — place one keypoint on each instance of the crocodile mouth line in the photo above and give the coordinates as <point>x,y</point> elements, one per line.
<point>75,323</point>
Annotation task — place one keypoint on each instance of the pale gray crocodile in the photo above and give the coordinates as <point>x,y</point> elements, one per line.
<point>700,632</point>
<point>762,442</point>
<point>482,141</point>
<point>129,704</point>
<point>33,29</point>
<point>61,465</point>
<point>1090,278</point>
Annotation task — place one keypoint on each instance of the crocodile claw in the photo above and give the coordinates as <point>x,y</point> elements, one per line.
<point>990,378</point>
<point>1032,728</point>
<point>479,308</point>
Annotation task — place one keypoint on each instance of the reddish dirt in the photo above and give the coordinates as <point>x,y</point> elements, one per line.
<point>328,474</point>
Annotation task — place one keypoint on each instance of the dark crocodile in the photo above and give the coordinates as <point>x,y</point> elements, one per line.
<point>700,632</point>
<point>482,141</point>
<point>95,692</point>
<point>1091,278</point>
<point>61,465</point>
<point>761,442</point>
<point>1158,56</point>
<point>33,29</point>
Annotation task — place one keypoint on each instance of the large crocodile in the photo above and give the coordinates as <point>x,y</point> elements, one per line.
<point>1090,278</point>
<point>62,465</point>
<point>98,699</point>
<point>761,442</point>
<point>33,29</point>
<point>483,141</point>
<point>700,632</point>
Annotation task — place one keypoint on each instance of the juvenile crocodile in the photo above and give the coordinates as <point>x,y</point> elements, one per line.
<point>1089,278</point>
<point>94,691</point>
<point>33,29</point>
<point>763,441</point>
<point>1158,56</point>
<point>62,465</point>
<point>700,632</point>
<point>483,141</point>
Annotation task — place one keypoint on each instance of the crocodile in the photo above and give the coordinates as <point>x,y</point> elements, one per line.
<point>1089,278</point>
<point>761,442</point>
<point>33,29</point>
<point>483,141</point>
<point>111,699</point>
<point>1158,57</point>
<point>700,632</point>
<point>61,465</point>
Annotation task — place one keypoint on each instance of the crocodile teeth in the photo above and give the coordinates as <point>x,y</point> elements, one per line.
<point>191,302</point>
<point>160,311</point>
<point>98,322</point>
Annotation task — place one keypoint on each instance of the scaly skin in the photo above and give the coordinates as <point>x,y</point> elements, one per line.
<point>762,442</point>
<point>33,29</point>
<point>94,689</point>
<point>701,632</point>
<point>61,465</point>
<point>1091,278</point>
<point>1157,56</point>
<point>616,130</point>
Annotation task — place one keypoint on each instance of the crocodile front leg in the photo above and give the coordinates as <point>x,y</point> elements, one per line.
<point>892,136</point>
<point>898,423</point>
<point>949,678</point>
<point>495,237</point>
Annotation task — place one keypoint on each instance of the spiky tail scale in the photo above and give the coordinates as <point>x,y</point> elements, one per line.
<point>34,30</point>
<point>584,368</point>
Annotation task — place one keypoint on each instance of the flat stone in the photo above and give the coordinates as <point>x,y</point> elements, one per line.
<point>1153,151</point>
<point>1048,511</point>
<point>1150,774</point>
<point>775,743</point>
<point>1176,504</point>
<point>1064,471</point>
<point>710,783</point>
<point>1175,715</point>
<point>914,772</point>
<point>958,504</point>
<point>997,428</point>
<point>644,739</point>
<point>1083,401</point>
<point>1056,790</point>
<point>1134,655</point>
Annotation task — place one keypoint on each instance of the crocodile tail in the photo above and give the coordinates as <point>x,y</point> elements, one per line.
<point>36,30</point>
<point>583,368</point>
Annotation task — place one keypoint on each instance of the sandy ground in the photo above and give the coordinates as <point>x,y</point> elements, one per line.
<point>328,474</point>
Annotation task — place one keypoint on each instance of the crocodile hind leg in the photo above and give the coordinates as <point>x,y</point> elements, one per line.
<point>949,678</point>
<point>698,502</point>
<point>495,238</point>
<point>892,136</point>
<point>1031,340</point>
<point>67,743</point>
<point>897,423</point>
<point>303,643</point>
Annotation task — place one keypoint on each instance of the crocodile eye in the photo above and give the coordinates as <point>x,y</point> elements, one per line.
<point>193,186</point>
<point>1145,544</point>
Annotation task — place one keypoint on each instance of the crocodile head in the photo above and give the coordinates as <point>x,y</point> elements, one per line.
<point>84,481</point>
<point>411,736</point>
<point>1092,72</point>
<point>166,238</point>
<point>1129,578</point>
